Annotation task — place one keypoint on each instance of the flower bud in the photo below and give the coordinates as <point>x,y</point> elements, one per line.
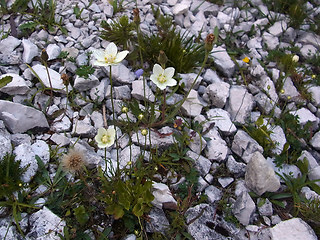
<point>162,58</point>
<point>295,58</point>
<point>136,16</point>
<point>208,42</point>
<point>124,109</point>
<point>140,116</point>
<point>65,79</point>
<point>44,56</point>
<point>144,132</point>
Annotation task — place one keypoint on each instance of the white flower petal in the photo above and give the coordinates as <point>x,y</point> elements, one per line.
<point>98,54</point>
<point>99,63</point>
<point>169,72</point>
<point>120,56</point>
<point>111,49</point>
<point>161,85</point>
<point>157,69</point>
<point>171,82</point>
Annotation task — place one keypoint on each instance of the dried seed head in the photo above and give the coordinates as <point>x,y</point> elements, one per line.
<point>73,161</point>
<point>65,79</point>
<point>44,55</point>
<point>209,42</point>
<point>162,58</point>
<point>136,16</point>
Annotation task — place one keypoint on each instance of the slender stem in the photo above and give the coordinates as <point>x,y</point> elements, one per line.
<point>114,118</point>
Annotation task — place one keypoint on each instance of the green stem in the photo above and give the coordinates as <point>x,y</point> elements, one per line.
<point>114,118</point>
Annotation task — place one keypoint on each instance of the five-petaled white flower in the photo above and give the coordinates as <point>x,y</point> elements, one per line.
<point>163,77</point>
<point>105,138</point>
<point>109,56</point>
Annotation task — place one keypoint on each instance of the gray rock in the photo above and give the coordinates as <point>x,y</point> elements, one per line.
<point>309,38</point>
<point>138,91</point>
<point>60,139</point>
<point>223,61</point>
<point>53,51</point>
<point>61,124</point>
<point>20,138</point>
<point>5,141</point>
<point>315,91</point>
<point>201,163</point>
<point>314,174</point>
<point>244,208</point>
<point>305,116</point>
<point>192,106</point>
<point>237,168</point>
<point>264,103</point>
<point>225,181</point>
<point>97,119</point>
<point>133,151</point>
<point>217,148</point>
<point>315,141</point>
<point>56,81</point>
<point>8,44</point>
<point>197,142</point>
<point>202,184</point>
<point>309,194</point>
<point>244,146</point>
<point>290,92</point>
<point>213,193</point>
<point>201,222</point>
<point>13,114</point>
<point>84,84</point>
<point>211,76</point>
<point>130,237</point>
<point>73,31</point>
<point>188,79</point>
<point>45,225</point>
<point>162,194</point>
<point>266,208</point>
<point>277,135</point>
<point>17,86</point>
<point>83,128</point>
<point>98,92</point>
<point>30,50</point>
<point>271,41</point>
<point>121,92</point>
<point>41,149</point>
<point>11,58</point>
<point>121,74</point>
<point>240,104</point>
<point>181,8</point>
<point>25,153</point>
<point>278,28</point>
<point>221,119</point>
<point>312,162</point>
<point>218,92</point>
<point>157,221</point>
<point>260,176</point>
<point>294,228</point>
<point>308,51</point>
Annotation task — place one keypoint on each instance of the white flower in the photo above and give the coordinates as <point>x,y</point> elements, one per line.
<point>105,138</point>
<point>295,58</point>
<point>163,77</point>
<point>110,56</point>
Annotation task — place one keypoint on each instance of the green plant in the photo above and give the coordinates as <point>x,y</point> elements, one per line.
<point>310,212</point>
<point>85,71</point>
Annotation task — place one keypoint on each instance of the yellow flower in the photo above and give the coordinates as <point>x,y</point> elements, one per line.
<point>246,60</point>
<point>105,138</point>
<point>73,161</point>
<point>163,77</point>
<point>313,76</point>
<point>110,56</point>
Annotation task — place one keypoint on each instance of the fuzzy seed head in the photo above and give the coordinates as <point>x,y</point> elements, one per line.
<point>73,161</point>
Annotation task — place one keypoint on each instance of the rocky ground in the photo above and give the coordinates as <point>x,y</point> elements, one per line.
<point>219,91</point>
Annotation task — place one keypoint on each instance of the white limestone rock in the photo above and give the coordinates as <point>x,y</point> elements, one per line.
<point>138,91</point>
<point>289,93</point>
<point>192,106</point>
<point>243,208</point>
<point>201,163</point>
<point>315,141</point>
<point>271,41</point>
<point>236,168</point>
<point>188,79</point>
<point>17,86</point>
<point>121,74</point>
<point>315,91</point>
<point>217,148</point>
<point>157,221</point>
<point>25,154</point>
<point>260,176</point>
<point>14,114</point>
<point>305,116</point>
<point>55,77</point>
<point>181,8</point>
<point>277,135</point>
<point>30,50</point>
<point>240,104</point>
<point>244,146</point>
<point>53,51</point>
<point>223,61</point>
<point>218,92</point>
<point>83,84</point>
<point>8,44</point>
<point>5,141</point>
<point>278,28</point>
<point>222,121</point>
<point>162,194</point>
<point>45,225</point>
<point>41,149</point>
<point>213,193</point>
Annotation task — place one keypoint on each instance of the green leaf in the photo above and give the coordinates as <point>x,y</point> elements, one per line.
<point>81,215</point>
<point>261,202</point>
<point>216,34</point>
<point>104,235</point>
<point>118,212</point>
<point>259,121</point>
<point>28,26</point>
<point>5,80</point>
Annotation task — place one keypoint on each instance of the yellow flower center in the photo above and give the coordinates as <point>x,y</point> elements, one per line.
<point>109,59</point>
<point>162,79</point>
<point>105,139</point>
